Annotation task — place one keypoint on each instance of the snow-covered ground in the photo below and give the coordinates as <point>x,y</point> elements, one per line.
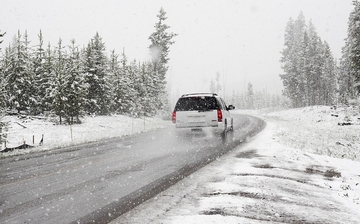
<point>30,130</point>
<point>322,130</point>
<point>304,167</point>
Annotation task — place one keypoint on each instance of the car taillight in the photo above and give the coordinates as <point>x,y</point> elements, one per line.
<point>173,117</point>
<point>219,113</point>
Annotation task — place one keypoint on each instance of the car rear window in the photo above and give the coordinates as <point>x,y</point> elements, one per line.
<point>198,103</point>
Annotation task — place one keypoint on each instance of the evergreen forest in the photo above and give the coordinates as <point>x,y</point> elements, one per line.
<point>312,76</point>
<point>72,81</point>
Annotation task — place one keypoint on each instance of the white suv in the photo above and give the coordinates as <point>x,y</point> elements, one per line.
<point>197,111</point>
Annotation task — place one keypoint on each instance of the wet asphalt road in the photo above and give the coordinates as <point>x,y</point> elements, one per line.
<point>97,182</point>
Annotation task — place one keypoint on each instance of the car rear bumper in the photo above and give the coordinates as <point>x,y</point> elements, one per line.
<point>217,128</point>
<point>195,126</point>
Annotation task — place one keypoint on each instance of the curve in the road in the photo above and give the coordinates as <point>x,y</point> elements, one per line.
<point>125,204</point>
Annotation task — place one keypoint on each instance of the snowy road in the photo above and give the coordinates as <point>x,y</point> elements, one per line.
<point>99,181</point>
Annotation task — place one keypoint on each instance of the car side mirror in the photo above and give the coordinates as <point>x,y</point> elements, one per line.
<point>230,107</point>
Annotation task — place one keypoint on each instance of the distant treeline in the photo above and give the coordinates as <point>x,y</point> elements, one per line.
<point>256,100</point>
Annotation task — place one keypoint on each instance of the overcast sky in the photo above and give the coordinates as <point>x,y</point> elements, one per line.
<point>240,39</point>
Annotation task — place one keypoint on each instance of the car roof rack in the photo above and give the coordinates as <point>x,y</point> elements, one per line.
<point>191,94</point>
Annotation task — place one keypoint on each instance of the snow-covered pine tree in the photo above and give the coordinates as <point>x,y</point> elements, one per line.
<point>305,71</point>
<point>41,78</point>
<point>149,90</point>
<point>48,80</point>
<point>2,97</point>
<point>125,92</point>
<point>298,58</point>
<point>318,69</point>
<point>133,71</point>
<point>96,76</point>
<point>58,87</point>
<point>114,74</point>
<point>292,58</point>
<point>314,60</point>
<point>18,75</point>
<point>287,63</point>
<point>3,83</point>
<point>142,89</point>
<point>329,77</point>
<point>345,78</point>
<point>310,64</point>
<point>161,40</point>
<point>5,65</point>
<point>351,51</point>
<point>30,87</point>
<point>75,87</point>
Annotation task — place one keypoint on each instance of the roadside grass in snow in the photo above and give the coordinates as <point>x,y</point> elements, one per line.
<point>323,131</point>
<point>320,130</point>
